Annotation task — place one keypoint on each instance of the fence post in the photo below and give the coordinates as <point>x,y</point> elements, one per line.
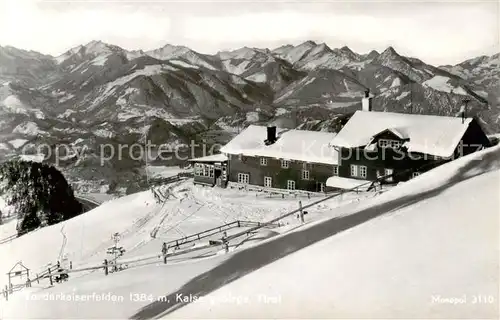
<point>106,271</point>
<point>164,252</point>
<point>6,293</point>
<point>50,277</point>
<point>37,278</point>
<point>70,265</point>
<point>301,212</point>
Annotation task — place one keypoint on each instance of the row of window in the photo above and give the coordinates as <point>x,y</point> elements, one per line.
<point>386,143</point>
<point>204,170</point>
<point>244,178</point>
<point>284,163</point>
<point>356,171</point>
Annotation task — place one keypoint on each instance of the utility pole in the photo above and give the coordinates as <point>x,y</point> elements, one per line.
<point>301,212</point>
<point>411,99</point>
<point>145,148</point>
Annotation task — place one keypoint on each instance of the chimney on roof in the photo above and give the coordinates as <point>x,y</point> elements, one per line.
<point>366,102</point>
<point>464,111</point>
<point>271,135</point>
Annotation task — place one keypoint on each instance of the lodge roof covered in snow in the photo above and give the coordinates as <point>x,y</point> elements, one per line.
<point>300,145</point>
<point>210,158</point>
<point>433,135</point>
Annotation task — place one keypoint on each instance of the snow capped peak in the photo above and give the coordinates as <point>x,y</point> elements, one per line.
<point>134,54</point>
<point>168,51</point>
<point>94,43</point>
<point>282,50</point>
<point>390,52</point>
<point>241,53</point>
<point>319,49</point>
<point>12,52</point>
<point>346,49</point>
<point>65,56</point>
<point>372,55</point>
<point>346,52</point>
<point>93,49</point>
<point>388,56</point>
<point>296,53</point>
<point>98,47</point>
<point>308,43</point>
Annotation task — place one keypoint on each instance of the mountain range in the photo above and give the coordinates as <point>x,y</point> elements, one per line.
<point>98,93</point>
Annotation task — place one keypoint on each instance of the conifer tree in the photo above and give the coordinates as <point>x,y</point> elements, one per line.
<point>39,193</point>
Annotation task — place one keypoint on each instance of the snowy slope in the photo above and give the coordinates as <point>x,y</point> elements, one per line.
<point>433,254</point>
<point>191,209</point>
<point>420,239</point>
<point>441,83</point>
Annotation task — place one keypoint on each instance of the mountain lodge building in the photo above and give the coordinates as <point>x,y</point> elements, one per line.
<point>372,146</point>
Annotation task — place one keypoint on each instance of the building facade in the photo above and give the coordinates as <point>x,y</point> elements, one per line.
<point>374,145</point>
<point>382,147</point>
<point>211,170</point>
<point>279,173</point>
<point>272,157</point>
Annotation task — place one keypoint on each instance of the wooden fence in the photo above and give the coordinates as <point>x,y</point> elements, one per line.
<point>270,191</point>
<point>177,247</point>
<point>178,243</point>
<point>50,273</point>
<point>178,177</point>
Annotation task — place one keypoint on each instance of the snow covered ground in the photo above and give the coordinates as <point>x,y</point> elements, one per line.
<point>427,249</point>
<point>192,209</point>
<point>8,226</point>
<point>412,252</point>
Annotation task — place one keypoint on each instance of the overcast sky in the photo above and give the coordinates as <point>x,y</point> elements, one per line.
<point>439,33</point>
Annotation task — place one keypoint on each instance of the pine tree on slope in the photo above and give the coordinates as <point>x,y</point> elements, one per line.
<point>39,193</point>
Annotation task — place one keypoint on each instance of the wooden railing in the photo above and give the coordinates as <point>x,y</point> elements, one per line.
<point>283,192</point>
<point>178,177</point>
<point>178,243</point>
